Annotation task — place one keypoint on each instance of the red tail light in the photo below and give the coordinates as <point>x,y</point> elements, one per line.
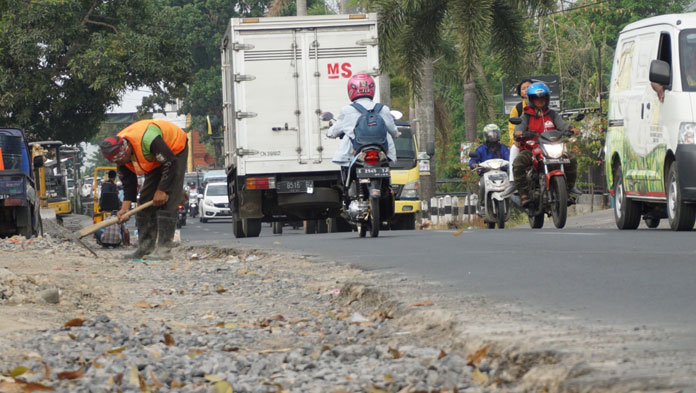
<point>181,207</point>
<point>372,157</point>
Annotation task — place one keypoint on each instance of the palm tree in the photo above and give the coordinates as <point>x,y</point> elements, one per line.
<point>411,32</point>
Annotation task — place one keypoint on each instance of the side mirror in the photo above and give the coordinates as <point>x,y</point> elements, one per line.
<point>472,154</point>
<point>660,72</point>
<point>579,116</point>
<point>38,161</point>
<point>326,116</point>
<point>515,120</point>
<point>430,148</point>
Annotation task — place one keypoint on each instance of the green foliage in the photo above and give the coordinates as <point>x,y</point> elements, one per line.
<point>63,63</point>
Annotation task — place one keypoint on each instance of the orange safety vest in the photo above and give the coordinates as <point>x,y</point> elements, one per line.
<point>173,136</point>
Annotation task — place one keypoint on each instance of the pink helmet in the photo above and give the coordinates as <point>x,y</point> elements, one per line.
<point>361,85</point>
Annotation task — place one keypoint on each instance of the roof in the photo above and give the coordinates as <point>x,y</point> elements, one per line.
<point>12,131</point>
<point>680,21</point>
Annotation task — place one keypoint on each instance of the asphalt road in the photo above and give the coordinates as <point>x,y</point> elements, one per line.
<point>589,271</point>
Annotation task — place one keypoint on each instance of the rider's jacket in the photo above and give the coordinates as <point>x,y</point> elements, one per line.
<point>540,122</point>
<point>345,124</point>
<point>484,153</point>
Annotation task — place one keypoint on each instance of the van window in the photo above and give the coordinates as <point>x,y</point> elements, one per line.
<point>687,59</point>
<point>646,53</point>
<point>625,59</point>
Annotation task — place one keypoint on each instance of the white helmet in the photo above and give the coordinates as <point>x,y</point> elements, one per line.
<point>492,133</point>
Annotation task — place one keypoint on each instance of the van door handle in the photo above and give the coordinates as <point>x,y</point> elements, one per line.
<point>642,108</point>
<point>647,105</point>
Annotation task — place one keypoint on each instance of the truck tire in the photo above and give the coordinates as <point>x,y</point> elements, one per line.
<point>277,228</point>
<point>681,216</point>
<point>24,221</point>
<point>237,229</point>
<point>310,227</point>
<point>251,226</point>
<point>322,226</point>
<point>626,211</point>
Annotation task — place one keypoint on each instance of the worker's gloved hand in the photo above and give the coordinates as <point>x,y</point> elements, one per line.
<point>160,198</point>
<point>120,213</point>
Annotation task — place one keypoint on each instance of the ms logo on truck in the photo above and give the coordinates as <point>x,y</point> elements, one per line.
<point>334,73</point>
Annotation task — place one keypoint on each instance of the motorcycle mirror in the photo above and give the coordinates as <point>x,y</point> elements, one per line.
<point>326,116</point>
<point>579,116</point>
<point>396,114</point>
<point>515,120</point>
<point>472,154</point>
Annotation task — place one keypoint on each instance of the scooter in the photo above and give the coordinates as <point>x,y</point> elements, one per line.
<point>366,183</point>
<point>547,180</point>
<point>493,209</point>
<point>181,217</point>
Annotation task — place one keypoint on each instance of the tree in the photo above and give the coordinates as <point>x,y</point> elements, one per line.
<point>63,63</point>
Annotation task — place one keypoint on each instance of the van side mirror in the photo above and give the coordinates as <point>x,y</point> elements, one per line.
<point>660,72</point>
<point>515,120</point>
<point>430,148</point>
<point>38,161</point>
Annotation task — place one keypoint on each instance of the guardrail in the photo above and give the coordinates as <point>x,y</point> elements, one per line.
<point>449,209</point>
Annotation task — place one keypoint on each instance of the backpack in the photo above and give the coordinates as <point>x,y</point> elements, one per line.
<point>370,128</point>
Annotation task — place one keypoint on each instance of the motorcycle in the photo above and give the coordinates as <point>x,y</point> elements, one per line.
<point>547,180</point>
<point>367,186</point>
<point>194,199</point>
<point>181,217</point>
<point>493,209</point>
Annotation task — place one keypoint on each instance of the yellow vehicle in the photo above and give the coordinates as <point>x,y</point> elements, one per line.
<point>405,179</point>
<point>97,214</point>
<point>51,177</point>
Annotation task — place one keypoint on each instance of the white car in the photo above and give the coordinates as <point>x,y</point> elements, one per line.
<point>215,202</point>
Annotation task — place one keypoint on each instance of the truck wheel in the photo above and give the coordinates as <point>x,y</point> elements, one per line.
<point>626,211</point>
<point>251,226</point>
<point>24,222</point>
<point>680,215</point>
<point>322,226</point>
<point>237,230</point>
<point>310,227</point>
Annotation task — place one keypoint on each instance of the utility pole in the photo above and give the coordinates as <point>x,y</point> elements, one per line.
<point>301,7</point>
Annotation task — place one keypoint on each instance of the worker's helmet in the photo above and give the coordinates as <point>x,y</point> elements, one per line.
<point>492,133</point>
<point>361,85</point>
<point>113,148</point>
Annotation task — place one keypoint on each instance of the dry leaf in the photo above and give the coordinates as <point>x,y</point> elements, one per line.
<point>134,376</point>
<point>222,387</point>
<point>35,387</point>
<point>422,304</point>
<point>375,390</point>
<point>176,384</point>
<point>143,304</point>
<point>116,350</point>
<point>75,322</point>
<point>11,387</point>
<point>47,371</point>
<point>213,378</point>
<point>475,358</point>
<point>395,353</point>
<point>340,391</point>
<point>169,340</point>
<point>406,389</point>
<point>167,303</point>
<point>442,354</point>
<point>17,371</point>
<point>479,377</point>
<point>72,374</point>
<point>277,318</point>
<point>158,385</point>
<point>220,289</point>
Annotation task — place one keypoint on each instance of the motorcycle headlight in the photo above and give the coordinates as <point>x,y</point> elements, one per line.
<point>210,203</point>
<point>686,133</point>
<point>553,150</point>
<point>410,190</point>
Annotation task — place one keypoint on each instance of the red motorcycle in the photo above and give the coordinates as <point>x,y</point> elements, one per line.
<point>548,193</point>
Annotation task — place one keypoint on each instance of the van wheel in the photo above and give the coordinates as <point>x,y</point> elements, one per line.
<point>681,216</point>
<point>626,211</point>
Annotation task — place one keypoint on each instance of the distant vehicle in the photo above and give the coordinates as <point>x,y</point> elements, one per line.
<point>650,148</point>
<point>194,177</point>
<point>214,176</point>
<point>215,203</point>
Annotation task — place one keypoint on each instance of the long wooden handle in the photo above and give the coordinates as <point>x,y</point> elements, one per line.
<point>111,221</point>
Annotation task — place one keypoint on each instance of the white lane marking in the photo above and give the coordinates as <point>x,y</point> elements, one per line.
<point>571,233</point>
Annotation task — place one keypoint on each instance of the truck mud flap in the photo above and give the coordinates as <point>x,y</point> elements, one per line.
<point>322,197</point>
<point>250,204</point>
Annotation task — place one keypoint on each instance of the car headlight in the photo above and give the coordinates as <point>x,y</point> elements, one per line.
<point>210,203</point>
<point>686,133</point>
<point>410,190</point>
<point>553,150</point>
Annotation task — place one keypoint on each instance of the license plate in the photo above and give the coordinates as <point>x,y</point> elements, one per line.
<point>372,172</point>
<point>557,161</point>
<point>225,213</point>
<point>295,186</point>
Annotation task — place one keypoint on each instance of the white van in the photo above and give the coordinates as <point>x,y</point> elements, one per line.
<point>650,149</point>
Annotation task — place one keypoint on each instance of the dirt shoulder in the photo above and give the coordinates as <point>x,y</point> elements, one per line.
<point>358,330</point>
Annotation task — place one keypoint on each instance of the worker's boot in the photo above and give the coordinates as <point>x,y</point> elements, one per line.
<point>166,226</point>
<point>147,234</point>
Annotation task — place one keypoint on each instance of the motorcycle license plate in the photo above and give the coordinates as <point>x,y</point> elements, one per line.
<point>372,172</point>
<point>557,161</point>
<point>295,186</point>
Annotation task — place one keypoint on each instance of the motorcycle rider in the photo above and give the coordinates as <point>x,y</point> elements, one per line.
<point>489,150</point>
<point>517,111</point>
<point>538,117</point>
<point>361,91</point>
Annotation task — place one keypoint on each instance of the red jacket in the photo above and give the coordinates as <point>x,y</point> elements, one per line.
<point>531,121</point>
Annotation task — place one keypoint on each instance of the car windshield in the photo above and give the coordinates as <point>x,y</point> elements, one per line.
<point>11,152</point>
<point>217,190</point>
<point>687,58</point>
<point>405,149</point>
